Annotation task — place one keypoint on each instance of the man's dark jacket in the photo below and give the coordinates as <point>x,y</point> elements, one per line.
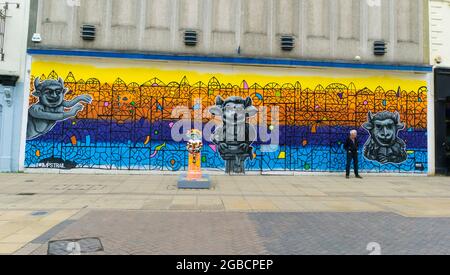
<point>351,147</point>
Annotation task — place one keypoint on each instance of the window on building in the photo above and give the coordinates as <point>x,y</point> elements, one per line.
<point>4,6</point>
<point>1,119</point>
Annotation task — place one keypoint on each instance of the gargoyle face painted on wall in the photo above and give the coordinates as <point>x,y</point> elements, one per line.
<point>52,95</point>
<point>385,132</point>
<point>234,111</point>
<point>384,145</point>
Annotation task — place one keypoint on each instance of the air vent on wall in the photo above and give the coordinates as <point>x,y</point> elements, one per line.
<point>88,32</point>
<point>379,48</point>
<point>287,42</point>
<point>190,38</point>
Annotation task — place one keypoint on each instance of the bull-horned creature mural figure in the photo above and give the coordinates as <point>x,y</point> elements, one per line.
<point>384,145</point>
<point>235,137</point>
<point>51,107</point>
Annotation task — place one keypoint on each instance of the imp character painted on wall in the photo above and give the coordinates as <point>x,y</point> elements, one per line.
<point>51,107</point>
<point>384,145</point>
<point>235,137</point>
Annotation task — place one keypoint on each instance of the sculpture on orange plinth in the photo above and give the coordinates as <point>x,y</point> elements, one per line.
<point>194,147</point>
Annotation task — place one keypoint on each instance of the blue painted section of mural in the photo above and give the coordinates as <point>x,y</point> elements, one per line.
<point>148,146</point>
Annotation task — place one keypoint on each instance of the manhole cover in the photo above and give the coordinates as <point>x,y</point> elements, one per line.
<point>75,247</point>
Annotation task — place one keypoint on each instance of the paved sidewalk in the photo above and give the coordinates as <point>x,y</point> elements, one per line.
<point>194,233</point>
<point>32,204</point>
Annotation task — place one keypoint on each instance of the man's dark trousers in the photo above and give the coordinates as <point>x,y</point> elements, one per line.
<point>352,157</point>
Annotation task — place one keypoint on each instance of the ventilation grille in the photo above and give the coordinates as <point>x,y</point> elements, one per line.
<point>379,48</point>
<point>190,38</point>
<point>88,32</point>
<point>287,42</point>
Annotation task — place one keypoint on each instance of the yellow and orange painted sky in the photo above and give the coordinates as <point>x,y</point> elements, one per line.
<point>108,71</point>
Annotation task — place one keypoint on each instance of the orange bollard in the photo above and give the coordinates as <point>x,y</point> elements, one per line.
<point>195,178</point>
<point>195,166</point>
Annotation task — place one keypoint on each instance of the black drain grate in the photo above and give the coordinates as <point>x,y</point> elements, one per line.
<point>26,194</point>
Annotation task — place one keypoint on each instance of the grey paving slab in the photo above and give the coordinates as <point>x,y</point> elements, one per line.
<point>351,233</point>
<point>148,233</point>
<point>52,232</point>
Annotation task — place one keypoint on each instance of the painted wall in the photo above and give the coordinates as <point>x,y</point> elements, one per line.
<point>128,124</point>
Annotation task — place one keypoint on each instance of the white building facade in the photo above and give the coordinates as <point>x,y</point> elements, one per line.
<point>13,76</point>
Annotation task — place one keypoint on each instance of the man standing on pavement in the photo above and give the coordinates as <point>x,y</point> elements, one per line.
<point>351,146</point>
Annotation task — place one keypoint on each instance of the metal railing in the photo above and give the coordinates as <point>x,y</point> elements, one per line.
<point>3,16</point>
<point>2,33</point>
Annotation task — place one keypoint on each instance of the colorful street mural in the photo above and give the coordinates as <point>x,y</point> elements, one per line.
<point>121,124</point>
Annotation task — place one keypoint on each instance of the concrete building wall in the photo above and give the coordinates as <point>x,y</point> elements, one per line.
<point>323,29</point>
<point>14,95</point>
